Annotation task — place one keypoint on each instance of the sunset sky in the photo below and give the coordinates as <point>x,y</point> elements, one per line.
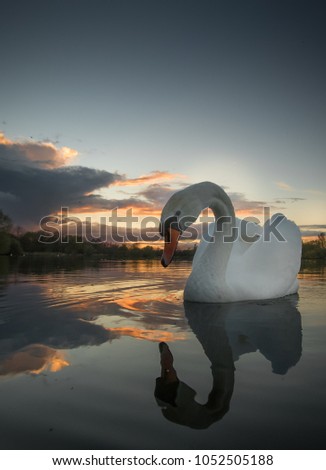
<point>119,103</point>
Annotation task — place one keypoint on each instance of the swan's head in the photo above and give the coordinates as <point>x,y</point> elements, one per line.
<point>181,210</point>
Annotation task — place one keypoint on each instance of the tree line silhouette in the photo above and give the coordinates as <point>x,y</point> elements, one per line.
<point>16,242</point>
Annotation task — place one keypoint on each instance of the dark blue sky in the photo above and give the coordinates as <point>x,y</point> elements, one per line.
<point>232,91</point>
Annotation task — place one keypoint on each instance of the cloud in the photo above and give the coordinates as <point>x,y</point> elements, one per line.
<point>316,226</point>
<point>149,178</point>
<point>157,194</point>
<point>295,199</point>
<point>312,230</point>
<point>36,154</point>
<point>291,200</point>
<point>36,180</point>
<point>284,186</point>
<point>34,183</point>
<point>243,205</point>
<point>95,202</point>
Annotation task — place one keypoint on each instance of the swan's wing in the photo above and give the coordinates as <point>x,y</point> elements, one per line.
<point>271,264</point>
<point>249,231</point>
<point>245,234</point>
<point>205,240</point>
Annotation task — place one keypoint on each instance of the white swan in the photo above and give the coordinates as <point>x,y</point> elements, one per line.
<point>253,263</point>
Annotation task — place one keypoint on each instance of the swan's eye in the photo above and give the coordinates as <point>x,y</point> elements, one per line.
<point>170,222</point>
<point>164,232</point>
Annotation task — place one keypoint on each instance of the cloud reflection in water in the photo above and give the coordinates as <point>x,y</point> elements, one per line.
<point>56,311</point>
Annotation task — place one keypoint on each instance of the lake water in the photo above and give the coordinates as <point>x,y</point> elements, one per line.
<point>80,361</point>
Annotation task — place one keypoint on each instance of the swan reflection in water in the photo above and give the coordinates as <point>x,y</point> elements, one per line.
<point>226,331</point>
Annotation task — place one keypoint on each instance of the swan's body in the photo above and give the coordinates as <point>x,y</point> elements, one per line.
<point>256,264</point>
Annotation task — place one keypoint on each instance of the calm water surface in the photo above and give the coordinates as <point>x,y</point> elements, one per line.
<point>80,362</point>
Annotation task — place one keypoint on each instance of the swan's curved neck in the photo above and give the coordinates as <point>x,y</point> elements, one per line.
<point>212,263</point>
<point>213,196</point>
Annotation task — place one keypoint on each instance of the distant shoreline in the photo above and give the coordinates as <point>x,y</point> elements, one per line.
<point>28,244</point>
<point>181,255</point>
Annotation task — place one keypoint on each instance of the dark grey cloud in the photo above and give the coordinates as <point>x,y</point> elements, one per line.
<point>35,181</point>
<point>36,154</point>
<point>159,194</point>
<point>289,199</point>
<point>311,230</point>
<point>29,192</point>
<point>313,226</point>
<point>241,203</point>
<point>97,202</point>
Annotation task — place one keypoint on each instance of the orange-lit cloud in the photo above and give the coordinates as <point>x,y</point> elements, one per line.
<point>36,180</point>
<point>4,140</point>
<point>151,177</point>
<point>41,154</point>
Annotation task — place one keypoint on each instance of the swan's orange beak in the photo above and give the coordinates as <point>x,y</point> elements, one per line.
<point>170,245</point>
